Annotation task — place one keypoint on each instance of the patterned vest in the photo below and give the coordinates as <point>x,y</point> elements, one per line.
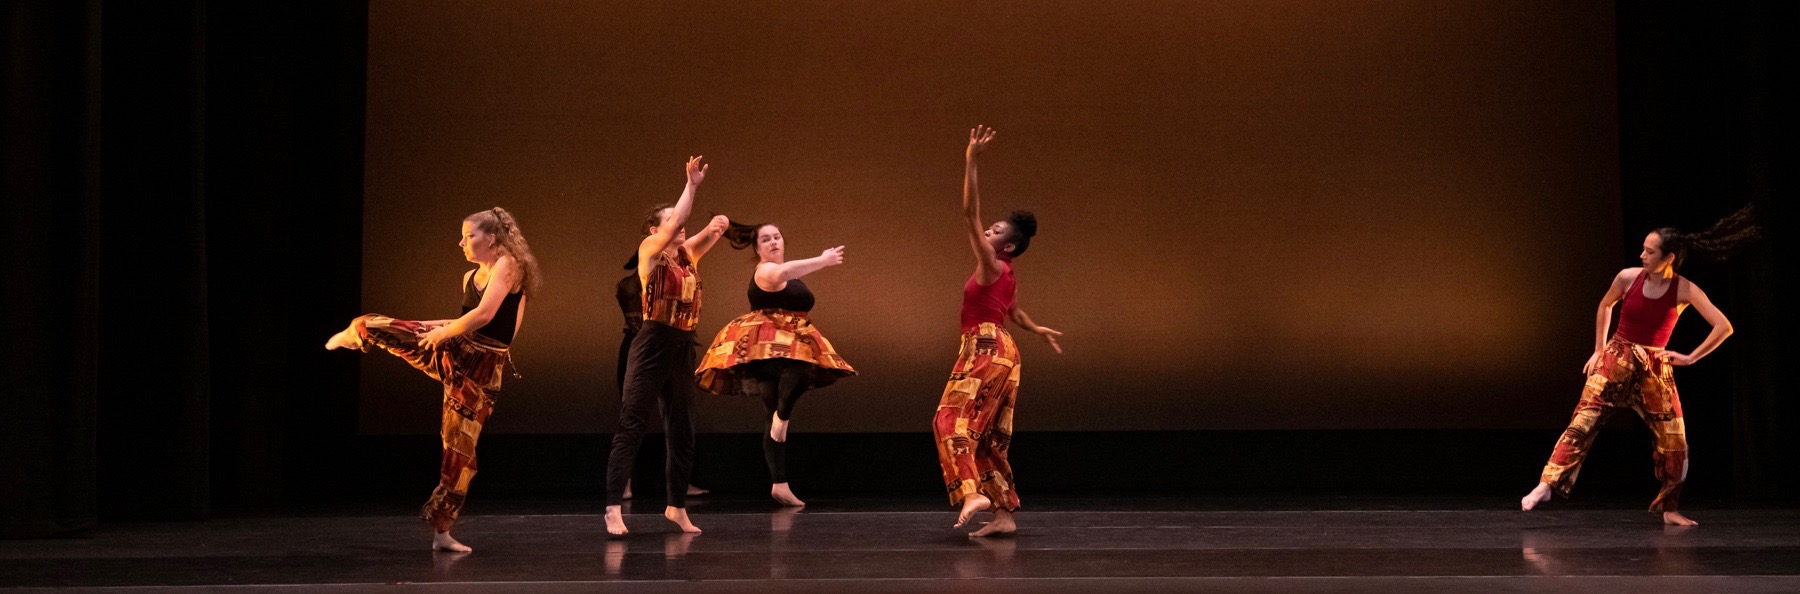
<point>672,292</point>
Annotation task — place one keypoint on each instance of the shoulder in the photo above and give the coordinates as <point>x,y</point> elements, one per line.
<point>1628,274</point>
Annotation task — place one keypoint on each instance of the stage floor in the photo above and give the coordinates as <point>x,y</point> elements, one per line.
<point>1071,544</point>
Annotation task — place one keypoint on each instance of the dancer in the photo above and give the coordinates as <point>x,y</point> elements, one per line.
<point>973,425</point>
<point>774,352</point>
<point>1632,371</point>
<point>466,354</point>
<point>630,293</point>
<point>661,361</point>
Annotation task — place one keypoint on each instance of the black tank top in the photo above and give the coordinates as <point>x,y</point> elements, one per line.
<point>505,321</point>
<point>794,297</point>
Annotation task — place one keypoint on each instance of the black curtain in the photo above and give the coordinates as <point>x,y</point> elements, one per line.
<point>51,168</point>
<point>188,181</point>
<point>1704,92</point>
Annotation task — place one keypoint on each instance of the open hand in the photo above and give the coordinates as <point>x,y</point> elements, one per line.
<point>1050,337</point>
<point>978,139</point>
<point>435,338</point>
<point>696,171</point>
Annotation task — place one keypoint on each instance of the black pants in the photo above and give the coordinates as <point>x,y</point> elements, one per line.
<point>660,367</point>
<point>779,383</point>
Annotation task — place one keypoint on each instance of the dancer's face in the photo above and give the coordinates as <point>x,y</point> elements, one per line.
<point>1653,256</point>
<point>769,245</point>
<point>680,234</point>
<point>477,245</point>
<point>999,235</point>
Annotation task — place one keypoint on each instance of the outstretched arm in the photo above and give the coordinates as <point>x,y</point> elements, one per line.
<point>1022,320</point>
<point>987,264</point>
<point>1721,328</point>
<point>773,277</point>
<point>499,284</point>
<point>1603,317</point>
<point>678,215</point>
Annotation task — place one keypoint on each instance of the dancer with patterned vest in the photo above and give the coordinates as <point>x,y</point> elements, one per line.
<point>1634,371</point>
<point>466,354</point>
<point>974,420</point>
<point>774,353</point>
<point>660,365</point>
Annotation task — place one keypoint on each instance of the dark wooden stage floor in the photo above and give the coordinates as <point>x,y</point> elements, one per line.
<point>1238,544</point>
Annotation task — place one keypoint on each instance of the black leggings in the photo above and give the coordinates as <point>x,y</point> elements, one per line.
<point>660,367</point>
<point>779,383</point>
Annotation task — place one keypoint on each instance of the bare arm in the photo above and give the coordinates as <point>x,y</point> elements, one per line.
<point>678,215</point>
<point>1721,327</point>
<point>1603,317</point>
<point>987,264</point>
<point>1023,320</point>
<point>698,244</point>
<point>503,279</point>
<point>773,277</point>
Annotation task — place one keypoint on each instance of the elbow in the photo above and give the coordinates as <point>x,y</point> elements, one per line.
<point>1724,328</point>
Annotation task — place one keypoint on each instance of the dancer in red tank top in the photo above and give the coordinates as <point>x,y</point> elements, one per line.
<point>1633,371</point>
<point>973,425</point>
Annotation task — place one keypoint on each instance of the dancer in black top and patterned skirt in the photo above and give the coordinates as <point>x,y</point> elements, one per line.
<point>774,352</point>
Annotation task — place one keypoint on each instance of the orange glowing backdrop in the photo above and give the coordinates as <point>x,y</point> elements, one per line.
<point>1255,214</point>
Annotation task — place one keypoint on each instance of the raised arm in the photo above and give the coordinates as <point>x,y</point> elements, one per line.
<point>500,282</point>
<point>698,244</point>
<point>678,215</point>
<point>1721,327</point>
<point>1603,316</point>
<point>987,264</point>
<point>773,277</point>
<point>1023,320</point>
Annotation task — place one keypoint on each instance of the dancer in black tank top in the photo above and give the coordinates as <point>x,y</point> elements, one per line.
<point>467,354</point>
<point>774,352</point>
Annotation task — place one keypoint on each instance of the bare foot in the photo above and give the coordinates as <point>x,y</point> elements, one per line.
<point>615,520</point>
<point>1676,519</point>
<point>1002,524</point>
<point>694,491</point>
<point>678,515</point>
<point>442,542</point>
<point>344,340</point>
<point>972,504</point>
<point>785,496</point>
<point>777,428</point>
<point>1536,496</point>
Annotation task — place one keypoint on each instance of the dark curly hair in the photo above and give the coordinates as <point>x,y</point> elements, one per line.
<point>1721,240</point>
<point>1024,226</point>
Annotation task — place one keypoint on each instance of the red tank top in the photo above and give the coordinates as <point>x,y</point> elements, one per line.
<point>672,293</point>
<point>1649,321</point>
<point>991,303</point>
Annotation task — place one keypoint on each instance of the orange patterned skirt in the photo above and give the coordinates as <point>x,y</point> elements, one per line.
<point>762,335</point>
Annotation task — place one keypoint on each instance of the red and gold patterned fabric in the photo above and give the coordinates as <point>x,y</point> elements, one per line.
<point>672,292</point>
<point>1632,378</point>
<point>470,367</point>
<point>767,334</point>
<point>974,418</point>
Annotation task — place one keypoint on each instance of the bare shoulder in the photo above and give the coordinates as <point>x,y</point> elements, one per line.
<point>1685,289</point>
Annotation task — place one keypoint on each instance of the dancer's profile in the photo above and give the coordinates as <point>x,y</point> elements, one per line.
<point>974,420</point>
<point>467,354</point>
<point>1633,371</point>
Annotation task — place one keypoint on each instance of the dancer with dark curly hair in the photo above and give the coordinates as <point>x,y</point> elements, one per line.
<point>1632,370</point>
